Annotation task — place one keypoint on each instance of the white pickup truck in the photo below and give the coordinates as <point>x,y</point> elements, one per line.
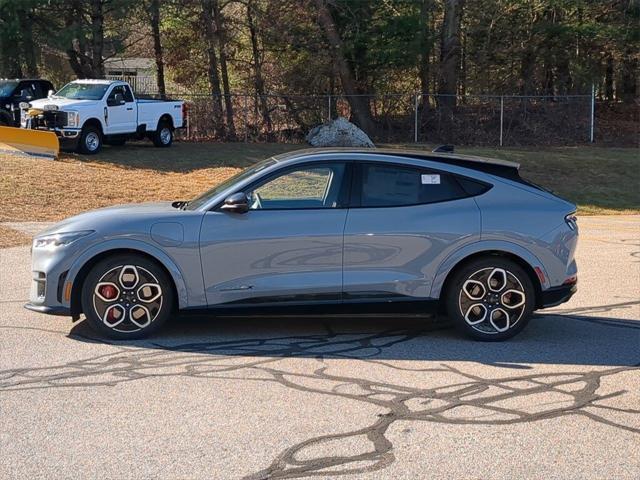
<point>87,113</point>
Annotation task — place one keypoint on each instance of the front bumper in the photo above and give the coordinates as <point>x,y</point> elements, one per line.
<point>557,295</point>
<point>59,310</point>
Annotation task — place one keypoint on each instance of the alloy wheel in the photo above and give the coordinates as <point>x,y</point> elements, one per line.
<point>92,141</point>
<point>492,300</point>
<point>127,298</point>
<point>165,135</point>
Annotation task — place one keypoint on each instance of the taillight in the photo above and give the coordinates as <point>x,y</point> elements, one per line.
<point>572,221</point>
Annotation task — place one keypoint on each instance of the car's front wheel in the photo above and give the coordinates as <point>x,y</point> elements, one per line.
<point>127,297</point>
<point>90,140</point>
<point>490,298</point>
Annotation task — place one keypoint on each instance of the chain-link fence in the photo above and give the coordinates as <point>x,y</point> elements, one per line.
<point>500,120</point>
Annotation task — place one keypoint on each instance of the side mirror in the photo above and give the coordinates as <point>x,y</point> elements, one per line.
<point>50,93</point>
<point>236,203</point>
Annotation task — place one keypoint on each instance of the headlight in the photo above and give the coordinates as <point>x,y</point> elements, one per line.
<point>73,119</point>
<point>24,105</point>
<point>59,239</point>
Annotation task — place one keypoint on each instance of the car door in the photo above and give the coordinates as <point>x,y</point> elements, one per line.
<point>404,222</point>
<point>287,247</point>
<point>121,116</point>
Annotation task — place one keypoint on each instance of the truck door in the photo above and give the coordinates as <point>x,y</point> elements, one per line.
<point>121,111</point>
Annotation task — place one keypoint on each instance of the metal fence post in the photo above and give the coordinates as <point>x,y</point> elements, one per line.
<point>329,111</point>
<point>246,120</point>
<point>415,119</point>
<point>501,117</point>
<point>593,111</point>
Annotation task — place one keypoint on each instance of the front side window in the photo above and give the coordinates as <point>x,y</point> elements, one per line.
<point>83,91</point>
<point>385,185</point>
<point>305,187</point>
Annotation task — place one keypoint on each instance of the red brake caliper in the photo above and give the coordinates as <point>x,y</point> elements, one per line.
<point>108,291</point>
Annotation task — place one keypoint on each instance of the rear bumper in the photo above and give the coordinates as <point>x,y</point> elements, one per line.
<point>557,295</point>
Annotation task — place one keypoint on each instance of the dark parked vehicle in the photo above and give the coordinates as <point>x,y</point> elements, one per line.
<point>15,91</point>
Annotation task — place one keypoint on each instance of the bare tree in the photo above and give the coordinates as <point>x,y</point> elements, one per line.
<point>154,14</point>
<point>222,44</point>
<point>212,71</point>
<point>257,66</point>
<point>450,50</point>
<point>359,104</point>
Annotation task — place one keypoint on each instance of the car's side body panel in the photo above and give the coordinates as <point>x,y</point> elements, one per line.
<point>263,256</point>
<point>396,251</point>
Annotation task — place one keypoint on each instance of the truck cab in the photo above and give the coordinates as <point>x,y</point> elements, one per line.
<point>15,91</point>
<point>85,114</point>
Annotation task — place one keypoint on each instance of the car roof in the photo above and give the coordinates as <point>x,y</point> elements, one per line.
<point>397,152</point>
<point>97,81</point>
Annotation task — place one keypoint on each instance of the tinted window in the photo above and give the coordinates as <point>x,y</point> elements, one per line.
<point>385,185</point>
<point>128,96</point>
<point>305,187</point>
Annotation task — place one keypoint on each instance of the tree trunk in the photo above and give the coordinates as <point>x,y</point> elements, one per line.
<point>450,51</point>
<point>214,79</point>
<point>154,11</point>
<point>359,105</point>
<point>97,38</point>
<point>257,67</point>
<point>423,67</point>
<point>222,44</point>
<point>608,78</point>
<point>28,46</point>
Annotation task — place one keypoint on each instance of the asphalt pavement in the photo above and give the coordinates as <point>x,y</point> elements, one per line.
<point>332,397</point>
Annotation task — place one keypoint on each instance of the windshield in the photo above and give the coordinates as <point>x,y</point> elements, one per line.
<point>238,177</point>
<point>82,91</point>
<point>7,87</point>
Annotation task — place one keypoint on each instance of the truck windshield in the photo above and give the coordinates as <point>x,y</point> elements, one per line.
<point>7,87</point>
<point>238,177</point>
<point>82,91</point>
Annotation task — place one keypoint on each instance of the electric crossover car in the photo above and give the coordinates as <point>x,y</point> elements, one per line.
<point>325,231</point>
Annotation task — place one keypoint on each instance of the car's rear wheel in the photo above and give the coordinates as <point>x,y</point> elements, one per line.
<point>127,297</point>
<point>163,137</point>
<point>490,298</point>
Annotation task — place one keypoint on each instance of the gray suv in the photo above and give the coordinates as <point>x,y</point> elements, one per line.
<point>323,231</point>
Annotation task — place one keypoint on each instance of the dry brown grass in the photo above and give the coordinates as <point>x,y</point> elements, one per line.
<point>12,238</point>
<point>599,180</point>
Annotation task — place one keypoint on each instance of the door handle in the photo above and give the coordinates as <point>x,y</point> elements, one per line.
<point>130,108</point>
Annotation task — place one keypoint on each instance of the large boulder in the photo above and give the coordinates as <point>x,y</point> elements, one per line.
<point>338,133</point>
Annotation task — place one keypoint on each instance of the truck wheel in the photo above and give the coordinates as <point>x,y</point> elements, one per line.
<point>163,136</point>
<point>90,140</point>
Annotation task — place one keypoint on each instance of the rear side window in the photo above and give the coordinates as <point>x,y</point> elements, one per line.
<point>386,185</point>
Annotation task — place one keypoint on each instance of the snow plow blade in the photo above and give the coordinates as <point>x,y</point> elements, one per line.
<point>32,143</point>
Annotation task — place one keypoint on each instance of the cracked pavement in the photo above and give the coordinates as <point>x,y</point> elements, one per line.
<point>332,397</point>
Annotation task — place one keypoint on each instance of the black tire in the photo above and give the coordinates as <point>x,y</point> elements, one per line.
<point>91,140</point>
<point>124,309</point>
<point>486,308</point>
<point>163,136</point>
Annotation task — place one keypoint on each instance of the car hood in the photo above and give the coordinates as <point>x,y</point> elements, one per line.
<point>103,218</point>
<point>63,103</point>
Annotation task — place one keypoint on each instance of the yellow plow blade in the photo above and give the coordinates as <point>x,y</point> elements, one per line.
<point>36,143</point>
